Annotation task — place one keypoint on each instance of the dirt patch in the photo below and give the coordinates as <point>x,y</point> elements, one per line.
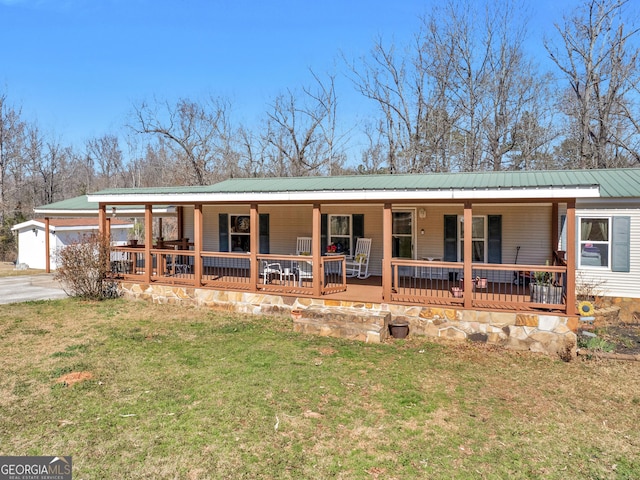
<point>70,379</point>
<point>623,337</point>
<point>327,351</point>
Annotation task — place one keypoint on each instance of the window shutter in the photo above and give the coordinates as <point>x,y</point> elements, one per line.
<point>357,222</point>
<point>450,238</point>
<point>264,233</point>
<point>563,232</point>
<point>621,244</point>
<point>494,228</point>
<point>223,232</point>
<point>324,218</point>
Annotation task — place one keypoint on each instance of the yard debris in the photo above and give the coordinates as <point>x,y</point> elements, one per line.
<point>311,414</point>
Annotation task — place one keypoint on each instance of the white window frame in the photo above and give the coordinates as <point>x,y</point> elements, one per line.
<point>608,242</point>
<point>484,238</point>
<point>334,238</point>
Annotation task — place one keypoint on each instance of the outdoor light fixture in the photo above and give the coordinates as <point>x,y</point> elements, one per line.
<point>35,231</point>
<point>422,213</point>
<point>113,212</point>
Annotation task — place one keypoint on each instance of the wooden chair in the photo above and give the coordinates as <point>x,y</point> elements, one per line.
<point>358,265</point>
<point>304,272</point>
<point>303,246</point>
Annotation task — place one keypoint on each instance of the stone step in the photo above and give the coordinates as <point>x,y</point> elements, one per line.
<point>354,324</point>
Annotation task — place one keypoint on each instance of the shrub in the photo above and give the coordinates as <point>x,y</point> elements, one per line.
<point>83,268</point>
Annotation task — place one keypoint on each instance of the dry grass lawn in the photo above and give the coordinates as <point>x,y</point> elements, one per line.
<point>134,390</point>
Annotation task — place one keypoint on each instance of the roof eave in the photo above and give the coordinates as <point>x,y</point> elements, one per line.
<point>591,191</point>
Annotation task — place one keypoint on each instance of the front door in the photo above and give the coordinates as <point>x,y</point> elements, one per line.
<point>402,237</point>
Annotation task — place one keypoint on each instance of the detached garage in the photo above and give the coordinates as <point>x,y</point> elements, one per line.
<point>62,232</point>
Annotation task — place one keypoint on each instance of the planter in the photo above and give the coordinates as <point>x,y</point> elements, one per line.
<point>399,329</point>
<point>457,292</point>
<point>296,314</point>
<point>546,294</point>
<point>481,282</point>
<point>133,242</point>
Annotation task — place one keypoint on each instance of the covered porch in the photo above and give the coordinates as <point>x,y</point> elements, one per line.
<point>423,280</point>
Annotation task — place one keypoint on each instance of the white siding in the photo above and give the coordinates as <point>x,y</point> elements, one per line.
<point>527,226</point>
<point>615,284</point>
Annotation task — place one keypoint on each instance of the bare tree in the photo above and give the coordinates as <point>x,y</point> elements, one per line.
<point>199,135</point>
<point>105,153</point>
<point>599,60</point>
<point>301,136</point>
<point>11,144</point>
<point>455,98</point>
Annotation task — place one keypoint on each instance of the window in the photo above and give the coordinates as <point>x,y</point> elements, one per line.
<point>595,243</point>
<point>239,233</point>
<point>340,232</point>
<point>478,239</point>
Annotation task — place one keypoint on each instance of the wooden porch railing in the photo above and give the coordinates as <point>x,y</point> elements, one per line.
<point>285,274</point>
<point>492,286</point>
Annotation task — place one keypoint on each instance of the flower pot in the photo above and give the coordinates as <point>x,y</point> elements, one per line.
<point>457,292</point>
<point>133,242</point>
<point>399,329</point>
<point>545,294</point>
<point>296,314</point>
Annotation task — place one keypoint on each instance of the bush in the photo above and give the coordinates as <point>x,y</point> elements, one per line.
<point>83,268</point>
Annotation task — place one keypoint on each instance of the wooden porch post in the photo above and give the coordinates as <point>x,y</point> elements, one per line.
<point>102,230</point>
<point>571,257</point>
<point>554,228</point>
<point>148,236</point>
<point>468,254</point>
<point>387,251</point>
<point>254,245</point>
<point>47,247</point>
<point>180,222</point>
<point>197,244</point>
<point>316,254</point>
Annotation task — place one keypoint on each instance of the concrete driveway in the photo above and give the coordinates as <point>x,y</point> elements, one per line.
<point>24,288</point>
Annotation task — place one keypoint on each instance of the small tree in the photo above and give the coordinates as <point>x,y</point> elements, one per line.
<point>83,268</point>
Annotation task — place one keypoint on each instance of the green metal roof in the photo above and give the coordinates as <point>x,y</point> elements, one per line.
<point>82,204</point>
<point>612,182</point>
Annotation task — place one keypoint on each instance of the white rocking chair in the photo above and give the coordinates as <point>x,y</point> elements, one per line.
<point>270,269</point>
<point>303,246</point>
<point>358,265</point>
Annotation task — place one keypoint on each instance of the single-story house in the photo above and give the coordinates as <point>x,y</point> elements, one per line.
<point>564,229</point>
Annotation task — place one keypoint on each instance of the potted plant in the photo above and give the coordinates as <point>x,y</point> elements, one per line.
<point>543,288</point>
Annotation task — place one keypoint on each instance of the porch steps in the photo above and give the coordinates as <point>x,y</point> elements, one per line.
<point>351,323</point>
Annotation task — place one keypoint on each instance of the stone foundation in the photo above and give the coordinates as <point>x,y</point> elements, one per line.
<point>536,332</point>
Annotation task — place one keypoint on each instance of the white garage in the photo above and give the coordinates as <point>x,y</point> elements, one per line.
<point>62,232</point>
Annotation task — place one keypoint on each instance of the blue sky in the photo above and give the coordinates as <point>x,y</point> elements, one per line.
<point>77,66</point>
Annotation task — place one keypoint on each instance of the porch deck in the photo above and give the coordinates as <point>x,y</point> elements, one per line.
<point>493,287</point>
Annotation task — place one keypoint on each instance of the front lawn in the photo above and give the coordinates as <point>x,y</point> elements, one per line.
<point>134,390</point>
